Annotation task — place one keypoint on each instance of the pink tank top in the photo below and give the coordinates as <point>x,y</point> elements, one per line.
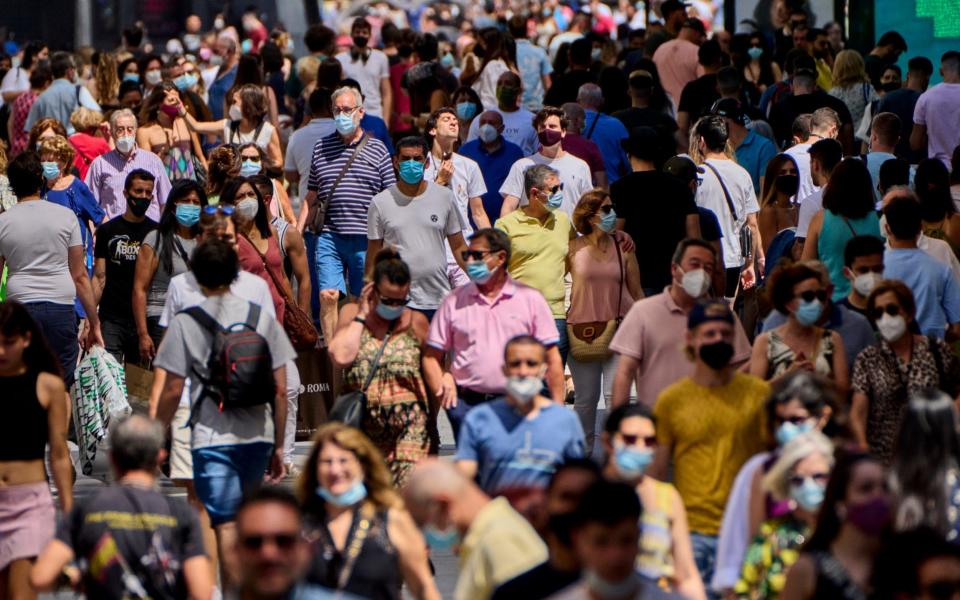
<point>251,262</point>
<point>597,281</point>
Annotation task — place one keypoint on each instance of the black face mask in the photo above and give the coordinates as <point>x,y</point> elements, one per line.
<point>788,184</point>
<point>716,355</point>
<point>138,206</point>
<point>560,524</point>
<point>360,41</point>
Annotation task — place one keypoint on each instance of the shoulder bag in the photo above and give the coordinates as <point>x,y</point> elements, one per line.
<point>350,408</point>
<point>745,235</point>
<point>590,342</point>
<point>317,210</point>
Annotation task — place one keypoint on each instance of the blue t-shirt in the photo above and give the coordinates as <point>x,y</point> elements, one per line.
<point>516,452</point>
<point>495,167</point>
<point>218,92</point>
<point>753,154</point>
<point>607,134</point>
<point>378,129</point>
<point>533,64</point>
<point>935,290</point>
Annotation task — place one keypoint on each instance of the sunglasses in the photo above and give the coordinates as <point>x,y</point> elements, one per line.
<point>474,254</point>
<point>393,301</point>
<point>513,364</point>
<point>606,208</point>
<point>810,295</point>
<point>283,541</point>
<point>820,478</point>
<point>942,590</point>
<point>891,309</point>
<point>253,158</point>
<point>556,188</point>
<point>631,440</point>
<point>223,209</point>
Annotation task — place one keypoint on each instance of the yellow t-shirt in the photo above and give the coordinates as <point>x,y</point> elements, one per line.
<point>499,545</point>
<point>712,432</point>
<point>538,253</point>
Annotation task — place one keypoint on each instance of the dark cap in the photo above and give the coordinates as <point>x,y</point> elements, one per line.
<point>709,310</point>
<point>682,168</point>
<point>696,24</point>
<point>729,108</point>
<point>643,143</point>
<point>668,7</point>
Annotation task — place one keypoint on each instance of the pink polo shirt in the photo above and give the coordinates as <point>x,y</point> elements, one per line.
<point>654,333</point>
<point>475,330</point>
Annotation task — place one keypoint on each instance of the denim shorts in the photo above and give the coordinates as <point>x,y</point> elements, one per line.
<point>221,475</point>
<point>58,323</point>
<point>338,259</point>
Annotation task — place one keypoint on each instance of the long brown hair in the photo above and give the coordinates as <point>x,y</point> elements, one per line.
<point>769,191</point>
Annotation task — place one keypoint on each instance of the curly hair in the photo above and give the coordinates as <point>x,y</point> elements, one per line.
<point>60,148</point>
<point>221,165</point>
<point>41,126</point>
<point>108,81</point>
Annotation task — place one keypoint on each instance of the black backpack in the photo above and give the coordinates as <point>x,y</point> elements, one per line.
<point>240,368</point>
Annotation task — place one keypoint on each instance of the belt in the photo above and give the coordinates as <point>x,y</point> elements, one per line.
<point>474,397</point>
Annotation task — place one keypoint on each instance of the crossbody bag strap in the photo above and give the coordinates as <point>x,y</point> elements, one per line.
<point>726,193</point>
<point>619,287</point>
<point>181,251</point>
<point>266,267</point>
<point>349,163</point>
<point>852,230</point>
<point>593,126</point>
<point>356,544</point>
<point>376,359</point>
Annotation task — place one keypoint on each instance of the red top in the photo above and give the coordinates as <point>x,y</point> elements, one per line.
<point>584,149</point>
<point>88,147</point>
<point>401,101</point>
<point>251,262</point>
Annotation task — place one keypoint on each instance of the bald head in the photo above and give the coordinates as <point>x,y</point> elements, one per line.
<point>136,443</point>
<point>590,96</point>
<point>438,482</point>
<point>492,117</point>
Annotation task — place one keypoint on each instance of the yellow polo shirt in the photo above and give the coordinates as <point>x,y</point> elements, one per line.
<point>538,253</point>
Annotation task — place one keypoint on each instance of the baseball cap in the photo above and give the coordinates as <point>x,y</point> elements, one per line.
<point>709,310</point>
<point>682,168</point>
<point>643,143</point>
<point>694,23</point>
<point>729,108</point>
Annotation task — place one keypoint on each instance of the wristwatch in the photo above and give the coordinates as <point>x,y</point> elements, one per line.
<point>360,320</point>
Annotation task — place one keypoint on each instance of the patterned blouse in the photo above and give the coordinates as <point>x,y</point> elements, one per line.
<point>888,382</point>
<point>769,557</point>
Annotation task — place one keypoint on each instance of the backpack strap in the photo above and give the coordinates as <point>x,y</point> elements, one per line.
<point>253,316</point>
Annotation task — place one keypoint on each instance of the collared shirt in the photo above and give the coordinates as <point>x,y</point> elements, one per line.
<point>476,329</point>
<point>753,154</point>
<point>607,134</point>
<point>58,102</point>
<point>108,175</point>
<point>370,174</point>
<point>495,166</point>
<point>533,64</point>
<point>300,147</point>
<point>935,289</point>
<point>538,253</point>
<point>652,333</point>
<point>499,545</point>
<point>853,328</point>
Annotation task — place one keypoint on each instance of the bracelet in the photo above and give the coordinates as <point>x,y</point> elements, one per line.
<point>360,320</point>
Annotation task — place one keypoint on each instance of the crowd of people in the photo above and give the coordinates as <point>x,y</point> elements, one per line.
<point>689,300</point>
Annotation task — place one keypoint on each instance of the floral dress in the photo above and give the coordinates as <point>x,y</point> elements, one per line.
<point>396,418</point>
<point>780,356</point>
<point>769,557</point>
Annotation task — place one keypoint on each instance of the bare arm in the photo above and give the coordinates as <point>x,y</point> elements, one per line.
<point>801,580</point>
<point>440,384</point>
<point>204,127</point>
<point>759,364</point>
<point>457,246</point>
<point>373,246</point>
<point>661,462</point>
<point>308,199</point>
<point>386,98</point>
<point>623,380</point>
<point>918,137</point>
<point>55,394</point>
<point>478,213</point>
<point>757,510</point>
<point>841,373</point>
<point>277,468</point>
<point>273,112</point>
<point>859,408</point>
<point>159,380</point>
<point>412,552</point>
<point>199,579</point>
<point>273,148</point>
<point>297,253</point>
<point>49,565</point>
<point>291,176</point>
<point>600,179</point>
<point>555,374</point>
<point>143,137</point>
<point>345,345</point>
<point>78,270</point>
<point>510,204</point>
<point>633,276</point>
<point>143,274</point>
<point>683,124</point>
<point>685,573</point>
<point>99,278</point>
<point>468,468</point>
<point>169,398</point>
<point>692,223</point>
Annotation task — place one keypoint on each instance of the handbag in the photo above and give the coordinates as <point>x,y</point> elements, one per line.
<point>590,342</point>
<point>317,210</point>
<point>350,408</point>
<point>297,323</point>
<point>745,235</point>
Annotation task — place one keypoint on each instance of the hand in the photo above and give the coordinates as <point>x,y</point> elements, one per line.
<point>92,336</point>
<point>147,351</point>
<point>626,243</point>
<point>448,392</point>
<point>445,172</point>
<point>748,278</point>
<point>365,301</point>
<point>277,469</point>
<point>800,364</point>
<point>329,298</point>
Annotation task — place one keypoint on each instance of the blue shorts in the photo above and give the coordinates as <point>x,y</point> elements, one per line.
<point>339,258</point>
<point>221,475</point>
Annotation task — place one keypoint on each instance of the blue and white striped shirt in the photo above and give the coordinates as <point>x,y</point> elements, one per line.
<point>370,174</point>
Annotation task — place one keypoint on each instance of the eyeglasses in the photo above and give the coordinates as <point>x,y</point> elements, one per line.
<point>253,158</point>
<point>468,255</point>
<point>393,301</point>
<point>606,208</point>
<point>513,364</point>
<point>283,541</point>
<point>810,295</point>
<point>943,589</point>
<point>224,209</point>
<point>891,309</point>
<point>820,478</point>
<point>631,440</point>
<point>344,111</point>
<point>796,420</point>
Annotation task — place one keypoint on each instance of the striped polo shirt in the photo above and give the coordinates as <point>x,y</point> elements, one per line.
<point>370,174</point>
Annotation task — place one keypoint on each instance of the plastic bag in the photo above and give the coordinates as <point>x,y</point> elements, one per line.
<point>99,394</point>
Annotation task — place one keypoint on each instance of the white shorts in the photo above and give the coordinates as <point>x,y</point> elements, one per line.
<point>181,460</point>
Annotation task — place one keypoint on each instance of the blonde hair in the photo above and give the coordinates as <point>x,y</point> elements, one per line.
<point>84,119</point>
<point>59,147</point>
<point>307,69</point>
<point>108,83</point>
<point>849,69</point>
<point>777,479</point>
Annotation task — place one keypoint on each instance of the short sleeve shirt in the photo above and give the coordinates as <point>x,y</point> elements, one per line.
<point>710,195</point>
<point>157,291</point>
<point>533,64</point>
<point>368,73</point>
<point>934,287</point>
<point>573,173</point>
<point>517,128</point>
<point>466,183</point>
<point>937,110</point>
<point>118,244</point>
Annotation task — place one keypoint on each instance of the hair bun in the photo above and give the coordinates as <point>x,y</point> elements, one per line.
<point>388,253</point>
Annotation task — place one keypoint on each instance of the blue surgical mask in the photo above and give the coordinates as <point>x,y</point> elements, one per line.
<point>249,168</point>
<point>441,539</point>
<point>51,170</point>
<point>632,462</point>
<point>595,54</point>
<point>554,200</point>
<point>411,171</point>
<point>447,60</point>
<point>788,431</point>
<point>466,110</point>
<point>808,313</point>
<point>608,222</point>
<point>187,214</point>
<point>389,313</point>
<point>808,495</point>
<point>134,77</point>
<point>344,124</point>
<point>478,271</point>
<point>488,133</point>
<point>356,493</point>
<point>182,82</point>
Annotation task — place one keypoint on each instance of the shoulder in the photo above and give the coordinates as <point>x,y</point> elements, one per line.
<point>51,385</point>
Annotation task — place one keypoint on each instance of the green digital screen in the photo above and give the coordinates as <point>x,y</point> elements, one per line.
<point>931,27</point>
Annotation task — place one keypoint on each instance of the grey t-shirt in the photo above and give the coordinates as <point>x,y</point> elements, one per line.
<point>34,238</point>
<point>418,228</point>
<point>157,293</point>
<point>185,350</point>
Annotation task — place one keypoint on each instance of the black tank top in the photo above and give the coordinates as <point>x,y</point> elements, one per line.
<point>24,428</point>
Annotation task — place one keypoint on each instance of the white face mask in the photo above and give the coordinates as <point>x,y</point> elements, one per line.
<point>891,327</point>
<point>248,208</point>
<point>524,389</point>
<point>235,113</point>
<point>865,282</point>
<point>125,144</point>
<point>695,283</point>
<point>153,76</point>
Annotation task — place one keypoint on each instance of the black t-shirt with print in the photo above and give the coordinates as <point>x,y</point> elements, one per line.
<point>131,542</point>
<point>118,241</point>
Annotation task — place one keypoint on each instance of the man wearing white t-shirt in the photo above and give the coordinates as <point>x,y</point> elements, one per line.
<point>575,176</point>
<point>517,121</point>
<point>725,183</point>
<point>370,68</point>
<point>824,124</point>
<point>459,173</point>
<point>824,156</point>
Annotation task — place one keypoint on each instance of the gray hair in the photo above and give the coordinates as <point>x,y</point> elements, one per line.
<point>536,176</point>
<point>590,95</point>
<point>135,443</point>
<point>777,479</point>
<point>346,90</point>
<point>573,111</point>
<point>497,239</point>
<point>118,114</point>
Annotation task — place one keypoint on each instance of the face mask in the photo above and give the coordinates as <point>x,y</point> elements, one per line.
<point>695,283</point>
<point>466,111</point>
<point>235,113</point>
<point>554,200</point>
<point>549,137</point>
<point>51,170</point>
<point>788,184</point>
<point>488,133</point>
<point>447,60</point>
<point>187,214</point>
<point>356,493</point>
<point>479,272</point>
<point>891,327</point>
<point>865,283</point>
<point>441,539</point>
<point>808,495</point>
<point>411,171</point>
<point>138,206</point>
<point>249,168</point>
<point>248,208</point>
<point>246,46</point>
<point>507,96</point>
<point>126,143</point>
<point>182,82</point>
<point>15,62</point>
<point>191,41</point>
<point>788,431</point>
<point>524,389</point>
<point>890,86</point>
<point>218,24</point>
<point>871,516</point>
<point>389,313</point>
<point>808,313</point>
<point>612,589</point>
<point>608,222</point>
<point>344,124</point>
<point>216,60</point>
<point>755,53</point>
<point>631,462</point>
<point>170,110</point>
<point>716,355</point>
<point>595,54</point>
<point>360,41</point>
<point>153,76</point>
<point>134,77</point>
